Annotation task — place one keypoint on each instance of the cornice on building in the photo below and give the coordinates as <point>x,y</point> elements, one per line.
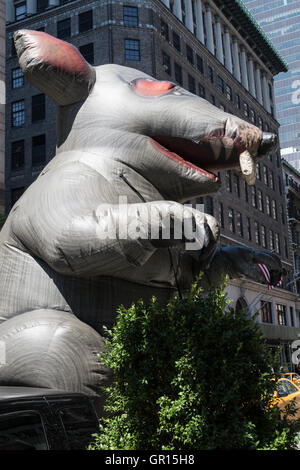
<point>246,24</point>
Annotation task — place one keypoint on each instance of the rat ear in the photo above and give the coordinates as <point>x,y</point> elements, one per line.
<point>53,66</point>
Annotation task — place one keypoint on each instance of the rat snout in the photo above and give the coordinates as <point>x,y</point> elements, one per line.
<point>268,144</point>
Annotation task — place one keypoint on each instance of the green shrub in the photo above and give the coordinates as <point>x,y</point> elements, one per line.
<point>3,218</point>
<point>189,375</point>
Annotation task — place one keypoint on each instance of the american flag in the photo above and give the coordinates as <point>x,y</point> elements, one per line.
<point>266,273</point>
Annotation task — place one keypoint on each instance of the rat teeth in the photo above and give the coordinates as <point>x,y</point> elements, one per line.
<point>248,167</point>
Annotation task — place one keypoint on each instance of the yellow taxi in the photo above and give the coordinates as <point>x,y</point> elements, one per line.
<point>293,377</point>
<point>285,393</point>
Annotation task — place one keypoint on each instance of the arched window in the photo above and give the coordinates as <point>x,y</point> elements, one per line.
<point>241,304</point>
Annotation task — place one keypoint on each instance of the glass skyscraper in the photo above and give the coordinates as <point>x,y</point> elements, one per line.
<point>2,104</point>
<point>280,19</point>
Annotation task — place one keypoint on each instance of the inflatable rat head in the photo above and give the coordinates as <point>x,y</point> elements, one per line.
<point>174,139</point>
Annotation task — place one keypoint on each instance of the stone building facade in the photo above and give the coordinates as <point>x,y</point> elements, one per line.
<point>291,180</point>
<point>2,105</point>
<point>281,22</point>
<point>212,48</point>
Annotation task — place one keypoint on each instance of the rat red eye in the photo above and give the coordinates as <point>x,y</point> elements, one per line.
<point>145,87</point>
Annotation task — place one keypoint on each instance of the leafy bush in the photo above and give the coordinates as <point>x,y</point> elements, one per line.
<point>188,375</point>
<point>3,218</point>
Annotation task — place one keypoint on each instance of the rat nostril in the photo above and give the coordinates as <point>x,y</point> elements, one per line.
<point>268,144</point>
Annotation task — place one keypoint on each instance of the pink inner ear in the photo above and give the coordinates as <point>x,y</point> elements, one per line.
<point>152,87</point>
<point>60,54</point>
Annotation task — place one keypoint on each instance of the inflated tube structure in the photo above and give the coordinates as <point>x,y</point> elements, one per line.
<point>87,235</point>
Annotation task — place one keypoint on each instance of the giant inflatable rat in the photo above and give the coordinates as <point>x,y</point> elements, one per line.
<point>128,147</point>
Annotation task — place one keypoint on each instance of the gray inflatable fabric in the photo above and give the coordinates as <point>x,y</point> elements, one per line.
<point>122,137</point>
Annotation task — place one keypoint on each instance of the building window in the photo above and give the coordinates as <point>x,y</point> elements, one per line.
<point>252,116</point>
<point>281,314</point>
<point>228,181</point>
<point>246,192</point>
<point>166,61</point>
<point>211,74</point>
<point>272,186</point>
<point>164,30</point>
<point>85,21</point>
<point>220,84</point>
<point>260,202</point>
<point>176,42</point>
<point>87,50</point>
<point>38,107</point>
<point>280,185</point>
<point>268,205</point>
<point>192,84</point>
<point>17,155</point>
<point>200,64</point>
<point>246,109</point>
<point>270,92</point>
<point>132,49</point>
<point>130,16</point>
<point>17,78</point>
<point>253,196</point>
<point>249,234</point>
<point>274,209</point>
<point>292,316</point>
<point>257,233</point>
<point>231,224</point>
<point>272,240</point>
<point>236,184</point>
<point>20,11</point>
<point>266,175</point>
<point>238,101</point>
<point>278,160</point>
<point>38,150</point>
<point>210,205</point>
<point>190,54</point>
<point>178,73</point>
<point>228,92</point>
<point>13,48</point>
<point>258,171</point>
<point>241,305</point>
<point>277,244</point>
<point>221,214</point>
<point>263,236</point>
<point>16,193</point>
<point>213,99</point>
<point>201,91</point>
<point>64,28</point>
<point>260,123</point>
<point>41,5</point>
<point>18,113</point>
<point>266,312</point>
<point>239,224</point>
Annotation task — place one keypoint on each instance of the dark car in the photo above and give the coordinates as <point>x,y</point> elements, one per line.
<point>42,419</point>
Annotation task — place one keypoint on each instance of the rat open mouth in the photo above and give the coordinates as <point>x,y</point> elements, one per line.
<point>207,156</point>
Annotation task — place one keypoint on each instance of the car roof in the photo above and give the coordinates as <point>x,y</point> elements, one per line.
<point>8,393</point>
